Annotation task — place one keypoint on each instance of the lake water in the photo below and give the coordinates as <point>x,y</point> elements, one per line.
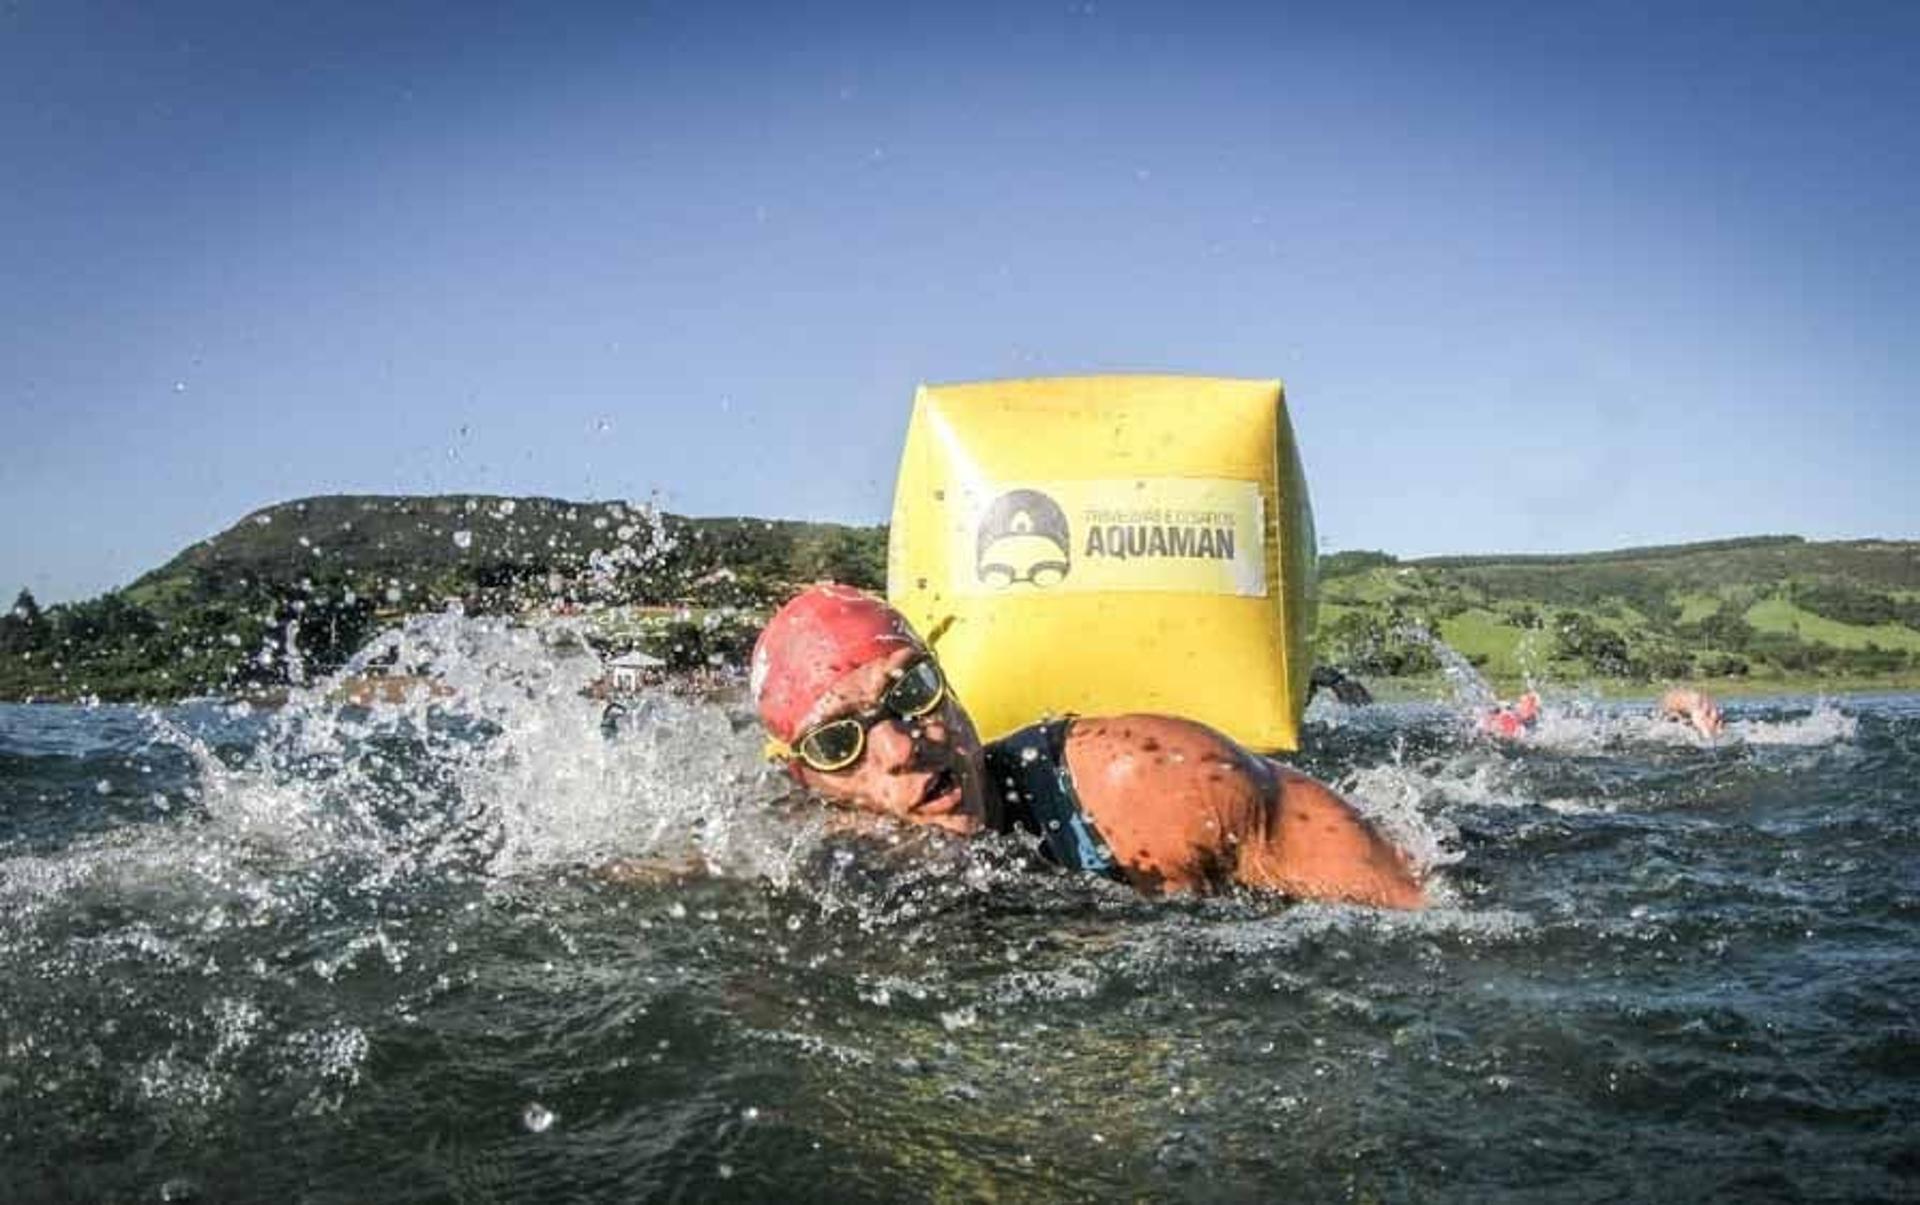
<point>327,954</point>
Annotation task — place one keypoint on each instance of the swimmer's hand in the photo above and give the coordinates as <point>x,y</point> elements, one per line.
<point>1695,707</point>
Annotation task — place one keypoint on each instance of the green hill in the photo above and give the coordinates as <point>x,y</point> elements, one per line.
<point>300,586</point>
<point>1770,610</point>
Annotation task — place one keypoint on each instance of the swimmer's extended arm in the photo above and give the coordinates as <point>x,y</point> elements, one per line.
<point>1183,807</point>
<point>1319,847</point>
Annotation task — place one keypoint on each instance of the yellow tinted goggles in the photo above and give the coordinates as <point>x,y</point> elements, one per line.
<point>839,743</point>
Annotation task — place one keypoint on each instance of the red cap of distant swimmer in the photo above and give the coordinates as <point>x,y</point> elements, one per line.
<point>822,633</point>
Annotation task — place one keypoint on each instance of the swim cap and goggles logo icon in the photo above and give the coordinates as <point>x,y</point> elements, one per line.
<point>839,743</point>
<point>1023,537</point>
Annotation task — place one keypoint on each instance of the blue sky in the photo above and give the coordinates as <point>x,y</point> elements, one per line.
<point>1538,277</point>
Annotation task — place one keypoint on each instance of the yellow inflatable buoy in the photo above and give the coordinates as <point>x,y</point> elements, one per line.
<point>1110,544</point>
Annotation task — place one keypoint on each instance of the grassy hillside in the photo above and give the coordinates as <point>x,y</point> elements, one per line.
<point>406,551</point>
<point>1767,610</point>
<point>296,588</point>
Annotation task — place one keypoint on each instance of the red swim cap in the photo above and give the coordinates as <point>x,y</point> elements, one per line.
<point>821,634</point>
<point>1504,723</point>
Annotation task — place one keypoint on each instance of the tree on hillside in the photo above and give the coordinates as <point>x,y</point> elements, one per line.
<point>1524,616</point>
<point>22,628</point>
<point>1848,602</point>
<point>1726,630</point>
<point>1581,638</point>
<point>107,620</point>
<point>1369,642</point>
<point>855,556</point>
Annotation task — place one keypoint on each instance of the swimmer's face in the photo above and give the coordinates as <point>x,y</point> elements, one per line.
<point>924,770</point>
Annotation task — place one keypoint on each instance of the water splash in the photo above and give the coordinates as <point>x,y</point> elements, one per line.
<point>1826,724</point>
<point>1469,688</point>
<point>484,756</point>
<point>1406,800</point>
<point>349,908</point>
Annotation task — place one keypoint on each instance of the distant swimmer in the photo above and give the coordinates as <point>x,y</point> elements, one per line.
<point>1695,707</point>
<point>1511,721</point>
<point>862,716</point>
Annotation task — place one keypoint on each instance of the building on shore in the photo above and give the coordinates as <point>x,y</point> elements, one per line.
<point>633,669</point>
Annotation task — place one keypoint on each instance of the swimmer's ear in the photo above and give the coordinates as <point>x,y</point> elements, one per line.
<point>940,629</point>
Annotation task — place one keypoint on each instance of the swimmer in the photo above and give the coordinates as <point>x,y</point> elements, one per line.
<point>1695,707</point>
<point>1511,721</point>
<point>861,716</point>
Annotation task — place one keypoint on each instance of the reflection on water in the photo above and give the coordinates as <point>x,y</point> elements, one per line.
<point>336,953</point>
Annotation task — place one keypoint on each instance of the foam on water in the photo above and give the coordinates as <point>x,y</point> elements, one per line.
<point>495,767</point>
<point>358,932</point>
<point>299,849</point>
<point>1574,723</point>
<point>1407,803</point>
<point>1826,724</point>
<point>494,763</point>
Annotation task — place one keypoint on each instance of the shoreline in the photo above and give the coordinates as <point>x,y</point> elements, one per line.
<point>1438,689</point>
<point>1432,689</point>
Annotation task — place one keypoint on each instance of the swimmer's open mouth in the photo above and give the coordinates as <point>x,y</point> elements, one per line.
<point>942,793</point>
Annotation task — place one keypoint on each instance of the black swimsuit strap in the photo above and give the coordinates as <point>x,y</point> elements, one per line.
<point>1029,769</point>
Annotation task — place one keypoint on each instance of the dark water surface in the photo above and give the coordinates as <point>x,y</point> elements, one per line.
<point>329,955</point>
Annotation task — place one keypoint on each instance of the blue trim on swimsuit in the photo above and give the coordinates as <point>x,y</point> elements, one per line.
<point>1028,769</point>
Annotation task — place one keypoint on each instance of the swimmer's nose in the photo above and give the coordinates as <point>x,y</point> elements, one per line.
<point>892,741</point>
<point>898,743</point>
